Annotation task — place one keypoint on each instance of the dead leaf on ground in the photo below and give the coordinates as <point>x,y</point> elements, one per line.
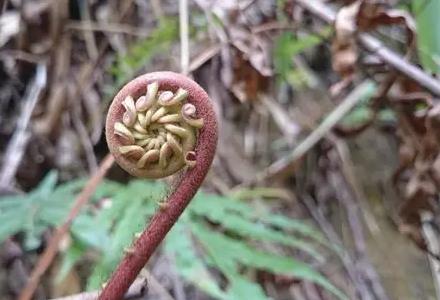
<point>344,48</point>
<point>417,176</point>
<point>9,26</point>
<point>362,16</point>
<point>248,82</point>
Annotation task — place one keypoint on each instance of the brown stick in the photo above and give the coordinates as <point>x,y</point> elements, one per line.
<point>51,250</point>
<point>138,289</point>
<point>373,45</point>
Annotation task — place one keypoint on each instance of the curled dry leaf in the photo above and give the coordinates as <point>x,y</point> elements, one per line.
<point>246,55</point>
<point>372,14</point>
<point>248,82</point>
<point>418,174</point>
<point>362,15</point>
<point>344,48</point>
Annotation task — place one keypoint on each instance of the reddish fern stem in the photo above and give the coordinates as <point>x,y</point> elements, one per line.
<point>187,186</point>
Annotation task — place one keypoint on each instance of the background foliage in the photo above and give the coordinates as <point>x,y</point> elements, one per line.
<point>216,233</point>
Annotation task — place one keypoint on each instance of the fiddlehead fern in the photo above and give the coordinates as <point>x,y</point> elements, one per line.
<point>158,131</point>
<point>156,125</point>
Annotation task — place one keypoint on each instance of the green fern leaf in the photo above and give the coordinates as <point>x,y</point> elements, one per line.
<point>242,288</point>
<point>72,256</point>
<point>131,209</point>
<point>240,218</point>
<point>189,263</point>
<point>235,251</point>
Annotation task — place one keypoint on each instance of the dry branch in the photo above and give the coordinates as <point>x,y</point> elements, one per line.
<point>433,245</point>
<point>313,138</point>
<point>51,250</point>
<point>137,290</point>
<point>375,46</point>
<point>17,145</point>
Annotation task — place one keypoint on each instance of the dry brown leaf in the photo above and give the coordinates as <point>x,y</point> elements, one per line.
<point>363,15</point>
<point>248,63</point>
<point>344,48</point>
<point>254,48</point>
<point>433,123</point>
<point>248,82</point>
<point>372,15</point>
<point>419,192</point>
<point>419,127</point>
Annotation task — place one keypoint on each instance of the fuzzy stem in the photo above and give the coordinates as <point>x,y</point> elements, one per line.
<point>187,186</point>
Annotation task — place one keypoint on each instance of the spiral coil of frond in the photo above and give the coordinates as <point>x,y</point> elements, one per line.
<point>158,131</point>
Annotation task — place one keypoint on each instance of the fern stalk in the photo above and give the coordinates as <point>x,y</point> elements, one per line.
<point>186,185</point>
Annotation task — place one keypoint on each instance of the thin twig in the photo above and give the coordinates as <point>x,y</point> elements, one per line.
<point>347,169</point>
<point>346,259</point>
<point>344,193</point>
<point>51,250</point>
<point>286,125</point>
<point>84,138</point>
<point>89,37</point>
<point>375,46</point>
<point>184,36</point>
<point>178,289</point>
<point>20,55</point>
<point>137,290</point>
<point>433,244</point>
<point>106,27</point>
<point>203,57</point>
<point>156,286</point>
<point>272,26</point>
<point>17,145</point>
<point>329,122</point>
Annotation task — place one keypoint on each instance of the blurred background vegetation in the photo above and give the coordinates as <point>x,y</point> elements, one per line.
<point>325,183</point>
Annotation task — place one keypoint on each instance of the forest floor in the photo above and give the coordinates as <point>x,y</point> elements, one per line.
<point>327,158</point>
